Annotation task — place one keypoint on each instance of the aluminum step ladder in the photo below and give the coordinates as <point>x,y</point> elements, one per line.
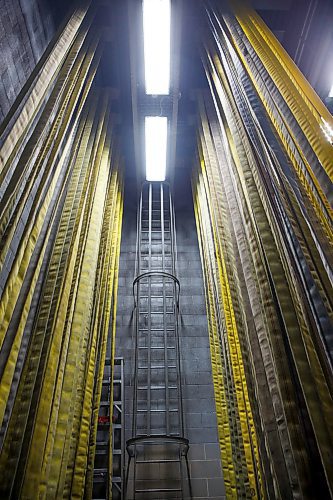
<point>110,424</point>
<point>157,466</point>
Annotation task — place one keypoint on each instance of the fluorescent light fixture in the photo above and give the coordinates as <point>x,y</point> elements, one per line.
<point>156,38</point>
<point>156,131</point>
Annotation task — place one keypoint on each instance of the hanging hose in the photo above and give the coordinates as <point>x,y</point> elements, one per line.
<point>61,212</point>
<point>264,222</point>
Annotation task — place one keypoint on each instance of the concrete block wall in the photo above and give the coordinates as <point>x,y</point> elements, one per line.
<point>26,28</point>
<point>198,391</point>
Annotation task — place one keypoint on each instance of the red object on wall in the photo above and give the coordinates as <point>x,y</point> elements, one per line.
<point>103,419</point>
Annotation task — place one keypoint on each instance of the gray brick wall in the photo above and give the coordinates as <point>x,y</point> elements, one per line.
<point>26,28</point>
<point>198,391</point>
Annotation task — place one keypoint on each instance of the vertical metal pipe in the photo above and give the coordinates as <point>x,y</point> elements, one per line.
<point>166,377</point>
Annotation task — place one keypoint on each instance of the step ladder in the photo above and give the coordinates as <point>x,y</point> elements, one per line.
<point>110,424</point>
<point>157,465</point>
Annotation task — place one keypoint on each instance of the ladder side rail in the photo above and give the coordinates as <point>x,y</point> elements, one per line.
<point>149,313</point>
<point>165,337</point>
<point>122,399</point>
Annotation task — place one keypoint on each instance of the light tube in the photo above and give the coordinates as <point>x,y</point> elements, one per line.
<point>156,38</point>
<point>156,131</point>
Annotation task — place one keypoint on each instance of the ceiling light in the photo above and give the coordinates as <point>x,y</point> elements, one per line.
<point>156,130</point>
<point>156,35</point>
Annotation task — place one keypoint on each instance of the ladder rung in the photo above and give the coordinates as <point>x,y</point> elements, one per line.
<point>116,479</point>
<point>156,387</point>
<point>158,282</point>
<point>156,297</point>
<point>160,461</point>
<point>117,361</point>
<point>173,410</point>
<point>102,452</point>
<point>158,348</point>
<point>156,219</point>
<point>154,242</point>
<point>146,231</point>
<point>156,329</point>
<point>167,286</point>
<point>156,224</point>
<point>157,312</point>
<point>100,471</point>
<point>158,210</point>
<point>157,435</point>
<point>156,367</point>
<point>157,490</point>
<point>145,257</point>
<point>154,210</point>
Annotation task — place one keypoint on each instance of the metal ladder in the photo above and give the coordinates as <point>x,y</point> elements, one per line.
<point>110,423</point>
<point>158,449</point>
